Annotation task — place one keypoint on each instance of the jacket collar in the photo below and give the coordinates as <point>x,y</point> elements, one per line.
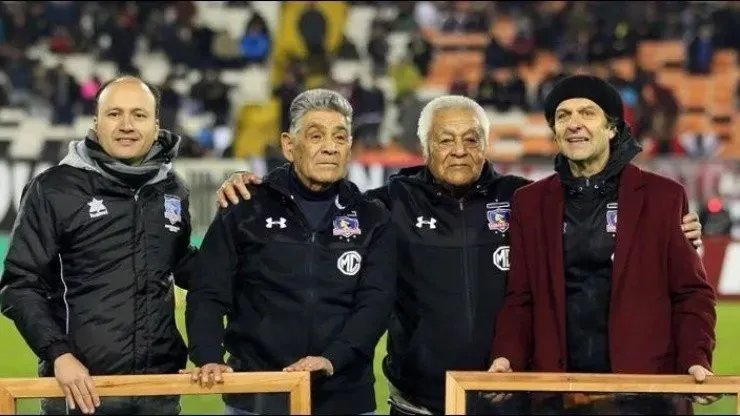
<point>279,180</point>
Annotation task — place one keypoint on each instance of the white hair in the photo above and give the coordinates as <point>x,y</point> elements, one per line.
<point>448,102</point>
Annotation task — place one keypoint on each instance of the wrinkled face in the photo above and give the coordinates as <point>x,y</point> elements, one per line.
<point>456,147</point>
<point>320,149</point>
<point>126,123</point>
<point>582,132</point>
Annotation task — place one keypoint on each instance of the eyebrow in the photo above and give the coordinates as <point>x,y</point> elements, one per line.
<point>322,127</point>
<point>450,132</point>
<point>121,109</point>
<point>568,110</point>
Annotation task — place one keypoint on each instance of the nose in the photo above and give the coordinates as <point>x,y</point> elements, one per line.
<point>126,126</point>
<point>330,146</point>
<point>459,148</point>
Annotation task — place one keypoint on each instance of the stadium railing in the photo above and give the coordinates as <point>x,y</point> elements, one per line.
<point>295,383</point>
<point>460,382</point>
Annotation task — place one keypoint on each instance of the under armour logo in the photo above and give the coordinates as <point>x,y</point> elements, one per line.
<point>432,222</point>
<point>97,209</point>
<point>270,222</point>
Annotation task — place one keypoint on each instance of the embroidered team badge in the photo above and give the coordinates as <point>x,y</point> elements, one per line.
<point>611,221</point>
<point>172,212</point>
<point>498,219</point>
<point>346,226</point>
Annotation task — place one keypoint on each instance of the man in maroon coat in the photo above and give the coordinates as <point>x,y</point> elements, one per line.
<point>588,295</point>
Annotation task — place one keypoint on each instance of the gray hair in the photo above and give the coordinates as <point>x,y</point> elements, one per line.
<point>447,102</point>
<point>318,99</point>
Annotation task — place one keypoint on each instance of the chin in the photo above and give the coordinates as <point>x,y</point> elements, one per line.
<point>459,180</point>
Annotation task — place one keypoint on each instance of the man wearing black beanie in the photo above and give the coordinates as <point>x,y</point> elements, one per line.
<point>588,295</point>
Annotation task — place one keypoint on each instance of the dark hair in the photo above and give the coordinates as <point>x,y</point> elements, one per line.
<point>155,92</point>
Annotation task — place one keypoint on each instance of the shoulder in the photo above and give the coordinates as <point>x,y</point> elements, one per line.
<point>532,191</point>
<point>381,195</point>
<point>60,178</point>
<point>658,184</point>
<point>514,182</point>
<point>375,207</point>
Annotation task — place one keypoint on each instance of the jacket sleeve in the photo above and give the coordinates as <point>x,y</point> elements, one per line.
<point>374,299</point>
<point>513,331</point>
<point>209,298</point>
<point>692,297</point>
<point>186,253</point>
<point>24,286</point>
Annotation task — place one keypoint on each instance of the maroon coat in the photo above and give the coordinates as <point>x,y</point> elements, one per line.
<point>662,312</point>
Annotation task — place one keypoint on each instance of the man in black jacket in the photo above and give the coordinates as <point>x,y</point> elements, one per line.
<point>451,217</point>
<point>99,240</point>
<point>304,272</point>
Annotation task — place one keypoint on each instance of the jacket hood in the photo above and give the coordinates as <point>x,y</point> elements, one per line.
<point>422,177</point>
<point>80,155</point>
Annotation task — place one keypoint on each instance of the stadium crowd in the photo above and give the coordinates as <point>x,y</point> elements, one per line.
<point>582,37</point>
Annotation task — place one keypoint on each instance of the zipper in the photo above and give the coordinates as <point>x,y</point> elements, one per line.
<point>311,295</point>
<point>466,272</point>
<point>136,277</point>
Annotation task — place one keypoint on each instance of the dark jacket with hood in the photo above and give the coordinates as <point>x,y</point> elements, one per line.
<point>92,259</point>
<point>453,256</point>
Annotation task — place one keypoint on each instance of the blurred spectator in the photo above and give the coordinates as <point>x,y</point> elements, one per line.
<point>421,50</point>
<point>459,84</point>
<point>227,52</point>
<point>313,27</point>
<point>256,42</point>
<point>171,101</point>
<point>499,56</point>
<point>543,89</point>
<point>64,95</point>
<point>347,49</point>
<point>213,96</point>
<point>378,49</point>
<point>409,111</point>
<point>122,42</point>
<point>286,93</point>
<point>460,20</point>
<point>88,90</point>
<point>657,117</point>
<point>405,76</point>
<point>4,94</point>
<point>549,23</point>
<point>368,102</point>
<point>601,43</point>
<point>701,51</point>
<point>575,48</point>
<point>487,90</point>
<point>509,91</point>
<point>404,20</point>
<point>427,16</point>
<point>61,41</point>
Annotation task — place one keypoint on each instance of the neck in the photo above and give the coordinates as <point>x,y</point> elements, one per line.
<point>311,185</point>
<point>589,168</point>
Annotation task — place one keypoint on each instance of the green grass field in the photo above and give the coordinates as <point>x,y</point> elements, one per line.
<point>19,361</point>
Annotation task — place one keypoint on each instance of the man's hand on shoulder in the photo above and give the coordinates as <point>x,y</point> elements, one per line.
<point>235,186</point>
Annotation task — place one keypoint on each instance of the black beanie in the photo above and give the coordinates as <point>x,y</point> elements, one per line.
<point>584,86</point>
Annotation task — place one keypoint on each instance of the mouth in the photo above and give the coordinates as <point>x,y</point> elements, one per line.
<point>126,140</point>
<point>577,139</point>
